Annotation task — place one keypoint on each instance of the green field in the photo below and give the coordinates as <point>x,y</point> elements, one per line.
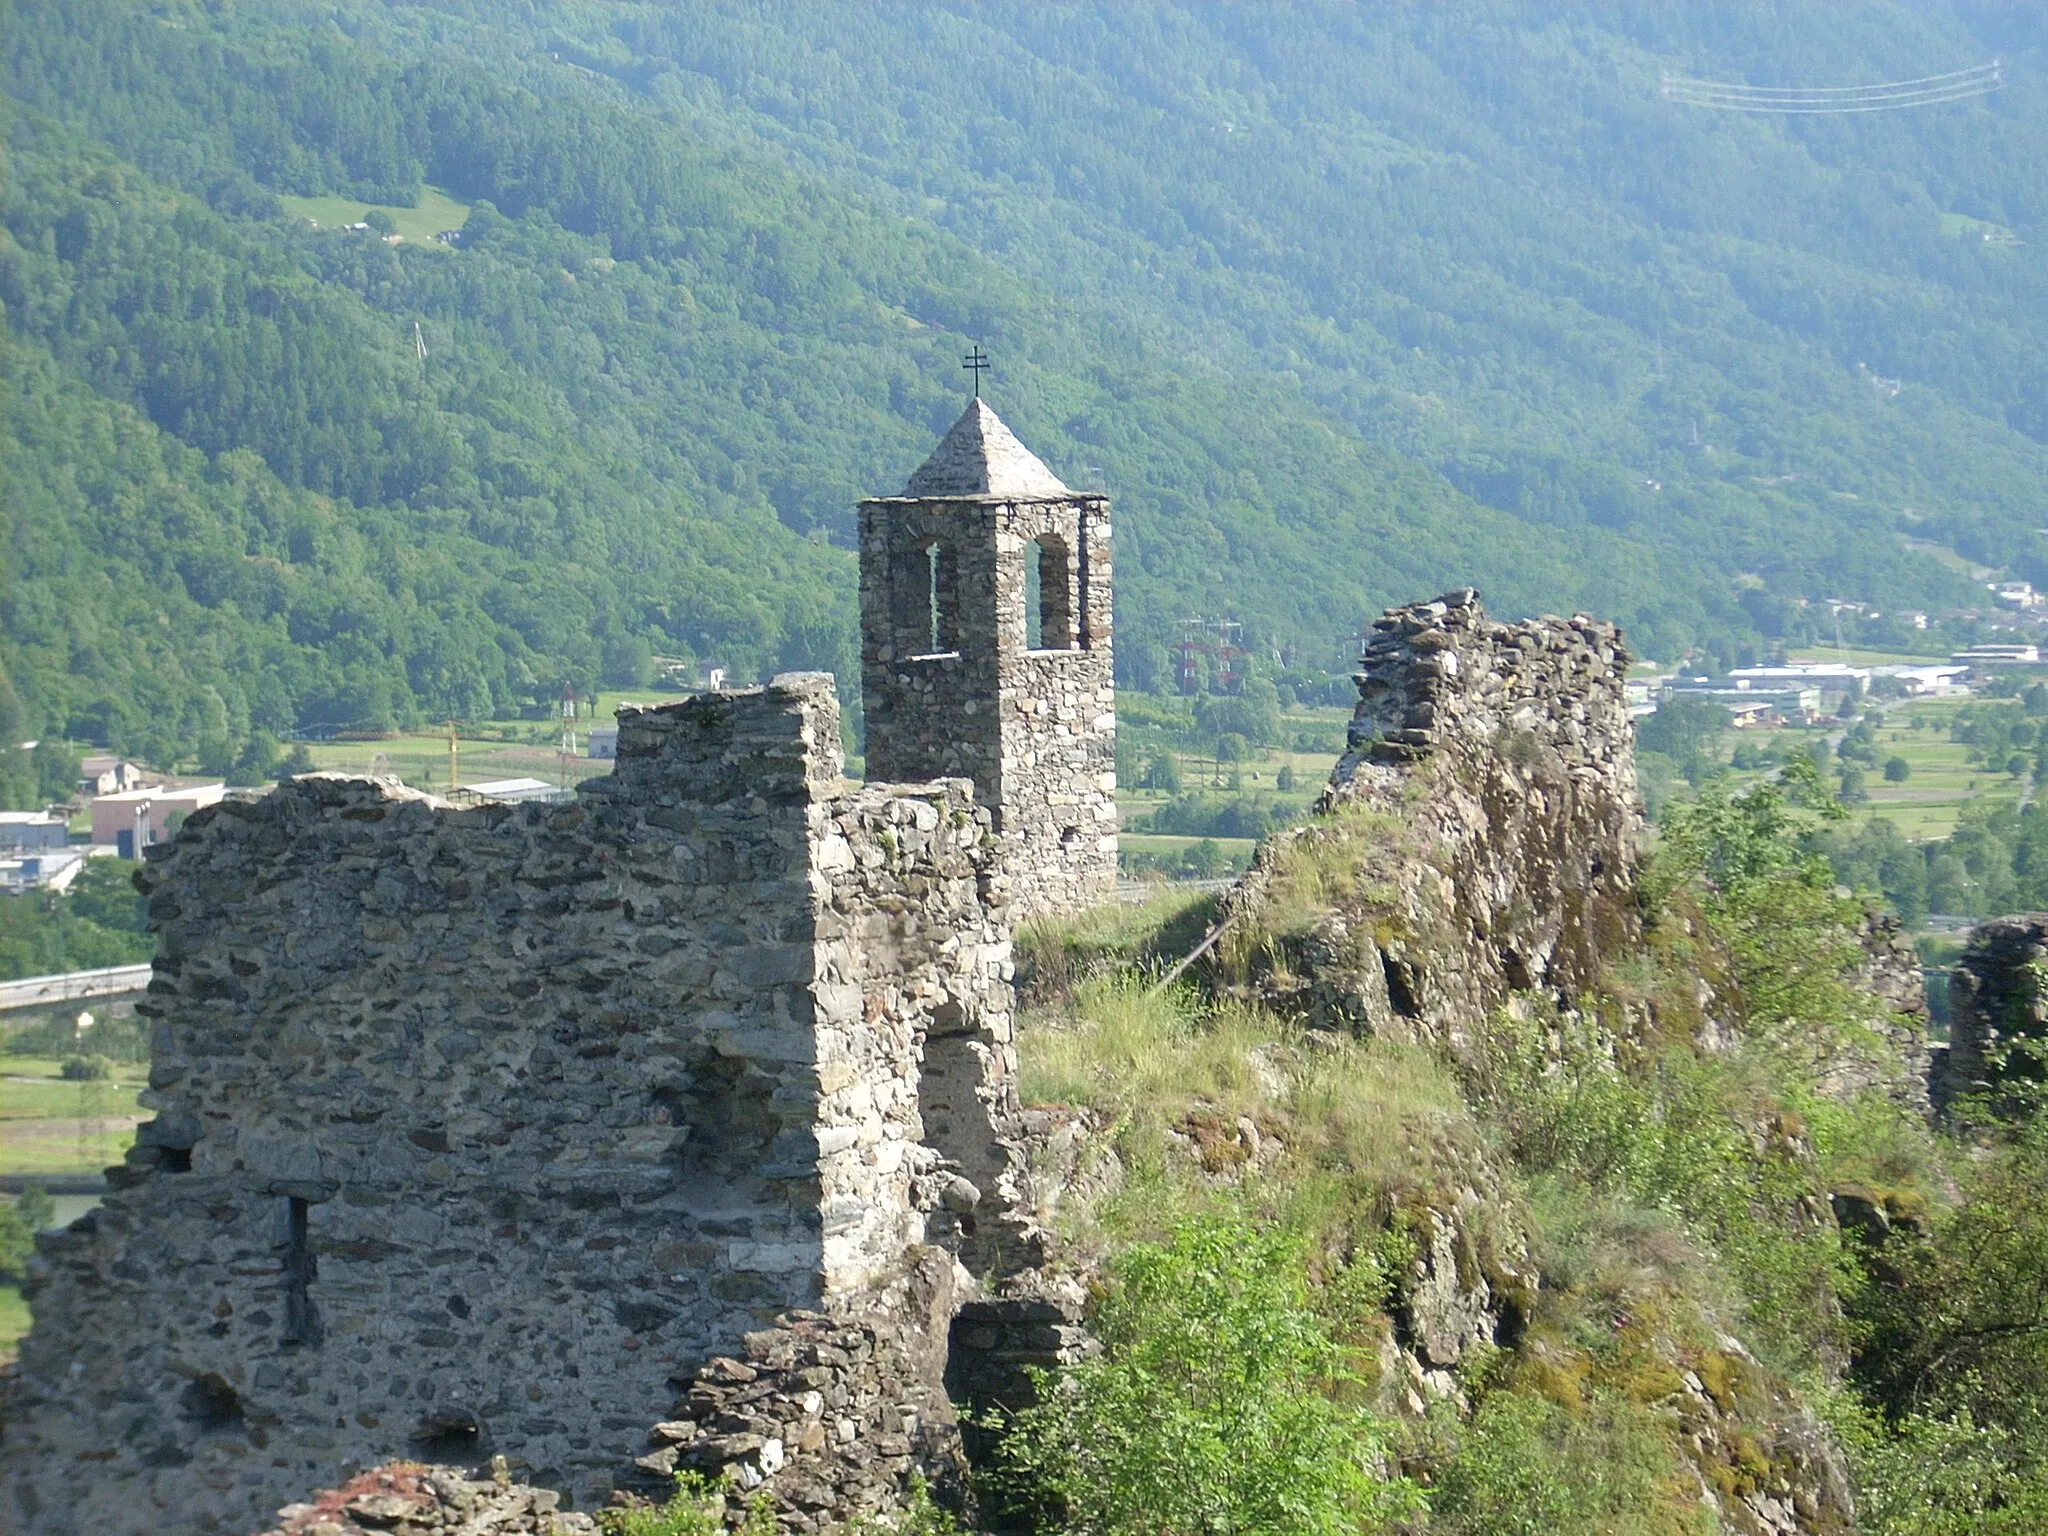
<point>527,749</point>
<point>436,211</point>
<point>1236,848</point>
<point>1961,226</point>
<point>51,1126</point>
<point>1942,781</point>
<point>1930,803</point>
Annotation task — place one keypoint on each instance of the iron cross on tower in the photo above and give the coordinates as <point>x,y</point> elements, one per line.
<point>975,361</point>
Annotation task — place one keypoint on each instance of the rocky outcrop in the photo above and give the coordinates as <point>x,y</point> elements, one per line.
<point>1478,838</point>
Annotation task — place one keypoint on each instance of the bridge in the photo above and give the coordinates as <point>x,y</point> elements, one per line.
<point>73,986</point>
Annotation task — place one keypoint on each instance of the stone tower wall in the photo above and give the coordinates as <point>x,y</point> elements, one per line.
<point>479,1130</point>
<point>1035,729</point>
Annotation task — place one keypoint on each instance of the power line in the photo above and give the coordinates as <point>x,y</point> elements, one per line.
<point>1839,90</point>
<point>1888,96</point>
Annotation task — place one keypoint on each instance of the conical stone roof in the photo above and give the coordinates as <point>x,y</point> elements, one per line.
<point>982,457</point>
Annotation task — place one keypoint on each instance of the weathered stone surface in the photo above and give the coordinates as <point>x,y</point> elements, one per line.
<point>1513,827</point>
<point>1895,1059</point>
<point>486,1124</point>
<point>831,1415</point>
<point>952,684</point>
<point>981,456</point>
<point>1998,1000</point>
<point>409,1499</point>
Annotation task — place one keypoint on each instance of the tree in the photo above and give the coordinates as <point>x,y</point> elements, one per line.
<point>1163,772</point>
<point>104,893</point>
<point>380,222</point>
<point>57,770</point>
<point>1897,770</point>
<point>18,777</point>
<point>1681,728</point>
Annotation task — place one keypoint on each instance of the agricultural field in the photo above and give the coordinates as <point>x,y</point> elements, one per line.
<point>54,1127</point>
<point>51,1126</point>
<point>1144,853</point>
<point>1227,802</point>
<point>436,211</point>
<point>490,749</point>
<point>1941,778</point>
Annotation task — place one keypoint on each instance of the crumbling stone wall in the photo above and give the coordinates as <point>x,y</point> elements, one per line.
<point>1896,1059</point>
<point>1488,798</point>
<point>827,1418</point>
<point>478,1130</point>
<point>1998,1000</point>
<point>953,688</point>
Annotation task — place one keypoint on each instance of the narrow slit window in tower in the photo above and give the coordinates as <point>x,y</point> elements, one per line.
<point>1034,596</point>
<point>301,1320</point>
<point>935,621</point>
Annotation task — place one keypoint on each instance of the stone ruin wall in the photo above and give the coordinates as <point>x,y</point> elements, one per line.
<point>1504,756</point>
<point>665,1129</point>
<point>1998,1011</point>
<point>479,1132</point>
<point>1042,755</point>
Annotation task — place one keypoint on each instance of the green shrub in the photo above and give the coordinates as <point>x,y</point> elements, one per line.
<point>20,1220</point>
<point>1526,1467</point>
<point>697,1508</point>
<point>1948,1476</point>
<point>1213,1408</point>
<point>17,1243</point>
<point>86,1069</point>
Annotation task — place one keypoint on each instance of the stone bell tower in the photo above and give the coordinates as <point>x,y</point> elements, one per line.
<point>985,653</point>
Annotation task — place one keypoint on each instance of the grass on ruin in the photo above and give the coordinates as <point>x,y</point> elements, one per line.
<point>1363,1125</point>
<point>1057,952</point>
<point>1351,1143</point>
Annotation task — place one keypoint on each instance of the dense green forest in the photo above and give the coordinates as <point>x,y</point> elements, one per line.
<point>1344,307</point>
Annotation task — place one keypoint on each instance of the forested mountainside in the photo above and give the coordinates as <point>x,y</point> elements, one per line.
<point>1341,306</point>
